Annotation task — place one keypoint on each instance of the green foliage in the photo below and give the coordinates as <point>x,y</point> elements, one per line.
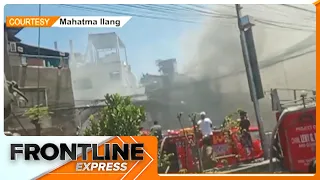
<point>120,117</point>
<point>38,112</point>
<point>230,121</point>
<point>164,161</point>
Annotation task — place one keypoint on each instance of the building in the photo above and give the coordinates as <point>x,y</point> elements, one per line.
<point>104,70</point>
<point>220,96</point>
<point>43,73</point>
<point>167,66</point>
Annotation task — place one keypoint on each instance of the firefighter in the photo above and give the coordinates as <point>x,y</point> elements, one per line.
<point>205,126</point>
<point>244,129</point>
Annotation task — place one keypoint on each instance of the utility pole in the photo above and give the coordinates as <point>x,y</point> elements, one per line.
<point>253,92</point>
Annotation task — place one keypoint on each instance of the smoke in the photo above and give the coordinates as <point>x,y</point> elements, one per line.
<point>215,50</point>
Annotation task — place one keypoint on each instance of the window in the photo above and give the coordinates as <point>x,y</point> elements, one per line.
<point>32,96</point>
<point>13,46</point>
<point>83,84</point>
<point>23,60</point>
<point>115,75</point>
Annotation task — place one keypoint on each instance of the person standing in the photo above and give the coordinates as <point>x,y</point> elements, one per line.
<point>244,121</point>
<point>244,129</point>
<point>205,126</point>
<point>156,130</point>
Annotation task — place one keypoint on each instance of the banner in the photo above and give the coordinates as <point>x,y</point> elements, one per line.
<point>125,157</point>
<point>67,21</point>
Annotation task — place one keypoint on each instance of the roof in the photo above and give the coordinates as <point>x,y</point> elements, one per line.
<point>105,40</point>
<point>166,61</point>
<point>33,50</point>
<point>12,32</point>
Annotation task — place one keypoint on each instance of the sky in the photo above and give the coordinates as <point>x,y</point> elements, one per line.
<point>197,46</point>
<point>146,40</point>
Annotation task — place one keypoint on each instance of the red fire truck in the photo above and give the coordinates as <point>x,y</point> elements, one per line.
<point>227,148</point>
<point>294,136</point>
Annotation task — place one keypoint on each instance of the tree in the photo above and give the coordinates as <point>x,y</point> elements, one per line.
<point>120,117</point>
<point>35,114</point>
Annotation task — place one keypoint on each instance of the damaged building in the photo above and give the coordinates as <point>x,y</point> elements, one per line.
<point>43,73</point>
<point>105,69</point>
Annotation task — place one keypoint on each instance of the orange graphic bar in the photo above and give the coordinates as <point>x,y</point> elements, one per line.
<point>89,169</point>
<point>31,21</point>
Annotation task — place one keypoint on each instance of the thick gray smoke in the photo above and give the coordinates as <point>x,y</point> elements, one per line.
<point>214,49</point>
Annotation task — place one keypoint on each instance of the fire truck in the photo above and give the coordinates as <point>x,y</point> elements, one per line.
<point>293,143</point>
<point>227,148</point>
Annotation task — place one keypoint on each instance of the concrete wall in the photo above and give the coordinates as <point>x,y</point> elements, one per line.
<point>129,81</point>
<point>102,83</point>
<point>59,87</point>
<point>59,92</point>
<point>99,76</point>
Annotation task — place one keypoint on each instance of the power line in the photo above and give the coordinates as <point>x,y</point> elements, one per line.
<point>299,8</point>
<point>175,10</point>
<point>285,23</point>
<point>125,13</point>
<point>210,13</point>
<point>283,27</point>
<point>274,10</point>
<point>171,9</point>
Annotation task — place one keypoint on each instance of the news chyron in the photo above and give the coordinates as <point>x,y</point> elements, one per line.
<point>111,157</point>
<point>67,21</point>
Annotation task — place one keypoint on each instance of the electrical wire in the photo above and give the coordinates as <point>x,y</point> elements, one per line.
<point>210,13</point>
<point>174,9</point>
<point>170,9</point>
<point>285,23</point>
<point>125,13</point>
<point>271,9</point>
<point>298,8</point>
<point>282,26</point>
